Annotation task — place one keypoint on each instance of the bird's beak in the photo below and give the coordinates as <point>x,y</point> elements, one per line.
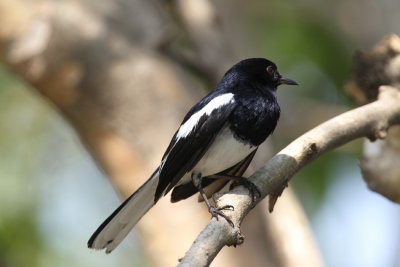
<point>287,81</point>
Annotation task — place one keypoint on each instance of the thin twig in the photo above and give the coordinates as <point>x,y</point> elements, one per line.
<point>370,121</point>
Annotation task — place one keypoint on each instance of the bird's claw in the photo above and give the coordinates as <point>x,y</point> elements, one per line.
<point>218,211</point>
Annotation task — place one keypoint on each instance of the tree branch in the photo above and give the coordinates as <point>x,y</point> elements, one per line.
<point>372,121</point>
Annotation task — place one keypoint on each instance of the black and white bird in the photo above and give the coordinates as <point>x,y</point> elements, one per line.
<point>214,144</point>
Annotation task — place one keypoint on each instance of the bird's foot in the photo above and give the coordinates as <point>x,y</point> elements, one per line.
<point>253,189</point>
<point>218,211</point>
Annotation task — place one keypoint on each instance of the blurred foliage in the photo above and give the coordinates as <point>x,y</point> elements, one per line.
<point>20,240</point>
<point>298,35</point>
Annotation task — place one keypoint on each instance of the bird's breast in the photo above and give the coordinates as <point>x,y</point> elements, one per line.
<point>255,118</point>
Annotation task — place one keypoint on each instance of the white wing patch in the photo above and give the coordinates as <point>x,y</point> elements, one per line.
<point>191,123</point>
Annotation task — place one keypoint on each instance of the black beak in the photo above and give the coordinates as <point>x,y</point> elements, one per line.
<point>287,81</point>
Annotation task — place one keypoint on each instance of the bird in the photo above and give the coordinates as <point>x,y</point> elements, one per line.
<point>214,144</point>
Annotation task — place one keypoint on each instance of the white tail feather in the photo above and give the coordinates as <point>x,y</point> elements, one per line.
<point>116,227</point>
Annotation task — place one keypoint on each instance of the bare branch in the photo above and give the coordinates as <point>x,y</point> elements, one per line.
<point>371,121</point>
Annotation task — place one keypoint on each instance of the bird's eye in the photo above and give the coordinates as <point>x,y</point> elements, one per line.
<point>270,70</point>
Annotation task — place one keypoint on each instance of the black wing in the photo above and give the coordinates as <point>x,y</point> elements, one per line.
<point>184,153</point>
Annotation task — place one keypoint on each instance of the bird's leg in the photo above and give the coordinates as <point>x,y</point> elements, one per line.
<point>196,179</point>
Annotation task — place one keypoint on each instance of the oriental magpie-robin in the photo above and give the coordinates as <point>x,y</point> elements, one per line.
<point>214,144</point>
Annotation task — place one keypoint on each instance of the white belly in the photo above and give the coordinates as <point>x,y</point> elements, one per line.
<point>225,152</point>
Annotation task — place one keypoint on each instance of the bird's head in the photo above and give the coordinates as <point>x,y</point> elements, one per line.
<point>262,71</point>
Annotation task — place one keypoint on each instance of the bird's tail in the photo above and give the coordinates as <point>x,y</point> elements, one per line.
<point>117,226</point>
